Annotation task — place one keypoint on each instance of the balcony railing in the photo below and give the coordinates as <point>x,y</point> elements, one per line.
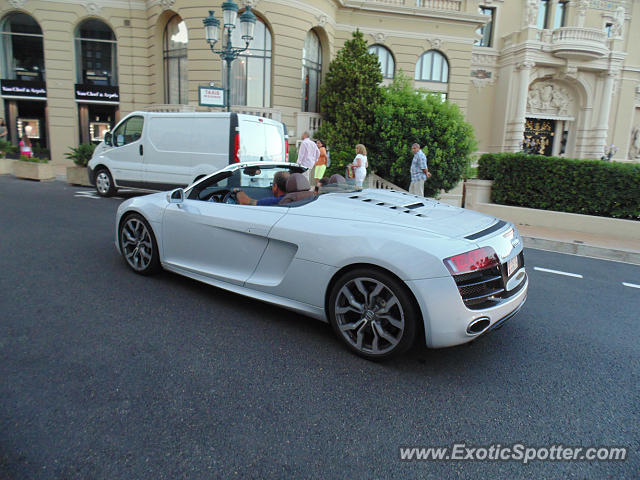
<point>450,5</point>
<point>579,43</point>
<point>579,34</point>
<point>307,122</point>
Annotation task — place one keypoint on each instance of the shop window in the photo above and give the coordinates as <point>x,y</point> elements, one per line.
<point>22,48</point>
<point>176,39</point>
<point>387,64</point>
<point>486,31</point>
<point>251,71</point>
<point>96,58</point>
<point>432,66</point>
<point>29,127</point>
<point>311,72</point>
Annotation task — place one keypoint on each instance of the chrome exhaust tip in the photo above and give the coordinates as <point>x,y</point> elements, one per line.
<point>478,325</point>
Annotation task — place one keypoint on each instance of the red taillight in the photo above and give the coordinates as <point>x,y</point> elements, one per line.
<point>286,151</point>
<point>471,261</point>
<point>236,148</point>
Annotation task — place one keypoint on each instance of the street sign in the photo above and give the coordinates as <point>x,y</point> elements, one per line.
<point>211,97</point>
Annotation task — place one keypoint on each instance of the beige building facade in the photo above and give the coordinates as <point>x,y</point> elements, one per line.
<point>563,77</point>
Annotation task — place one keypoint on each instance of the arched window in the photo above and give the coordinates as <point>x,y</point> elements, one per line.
<point>311,72</point>
<point>96,60</point>
<point>22,48</point>
<point>387,65</point>
<point>251,71</point>
<point>176,38</point>
<point>432,66</point>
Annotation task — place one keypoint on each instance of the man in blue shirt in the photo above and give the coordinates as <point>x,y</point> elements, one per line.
<point>278,188</point>
<point>419,171</point>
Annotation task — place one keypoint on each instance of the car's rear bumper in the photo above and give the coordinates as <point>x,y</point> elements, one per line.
<point>446,318</point>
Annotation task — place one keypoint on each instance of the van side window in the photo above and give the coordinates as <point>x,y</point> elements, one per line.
<point>128,132</point>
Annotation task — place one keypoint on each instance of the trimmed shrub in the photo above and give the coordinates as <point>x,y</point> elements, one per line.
<point>588,187</point>
<point>24,158</point>
<point>407,116</point>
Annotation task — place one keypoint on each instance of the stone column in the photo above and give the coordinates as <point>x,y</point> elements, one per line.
<point>602,127</point>
<point>515,127</point>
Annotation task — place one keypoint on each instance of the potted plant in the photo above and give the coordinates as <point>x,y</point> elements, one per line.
<point>6,164</point>
<point>80,155</point>
<point>33,168</point>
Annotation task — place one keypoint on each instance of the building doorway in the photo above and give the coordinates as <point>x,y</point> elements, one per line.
<point>539,136</point>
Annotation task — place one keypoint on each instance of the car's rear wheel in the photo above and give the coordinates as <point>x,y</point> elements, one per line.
<point>373,314</point>
<point>104,183</point>
<point>138,245</point>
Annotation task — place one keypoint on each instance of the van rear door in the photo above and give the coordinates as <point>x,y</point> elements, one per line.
<point>261,139</point>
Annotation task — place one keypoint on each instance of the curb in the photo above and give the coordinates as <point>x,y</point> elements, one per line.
<point>583,250</point>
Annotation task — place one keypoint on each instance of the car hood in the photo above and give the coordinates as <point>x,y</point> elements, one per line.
<point>397,208</point>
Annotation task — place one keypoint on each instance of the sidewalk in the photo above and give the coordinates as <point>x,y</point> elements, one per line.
<point>580,243</point>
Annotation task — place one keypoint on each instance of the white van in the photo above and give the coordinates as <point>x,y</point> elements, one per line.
<point>162,151</point>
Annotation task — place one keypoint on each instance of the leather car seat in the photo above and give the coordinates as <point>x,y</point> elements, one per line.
<point>298,188</point>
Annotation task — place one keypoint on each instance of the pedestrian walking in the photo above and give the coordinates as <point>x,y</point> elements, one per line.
<point>308,154</point>
<point>419,171</point>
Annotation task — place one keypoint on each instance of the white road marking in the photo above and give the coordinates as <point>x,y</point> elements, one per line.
<point>86,194</point>
<point>558,272</point>
<point>632,285</point>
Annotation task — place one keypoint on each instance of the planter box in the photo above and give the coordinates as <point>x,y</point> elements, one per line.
<point>78,176</point>
<point>33,171</point>
<point>6,166</point>
<point>478,197</point>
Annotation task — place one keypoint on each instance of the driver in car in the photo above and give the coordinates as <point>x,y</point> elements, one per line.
<point>278,188</point>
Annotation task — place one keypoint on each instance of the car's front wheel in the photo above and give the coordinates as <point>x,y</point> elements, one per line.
<point>373,313</point>
<point>104,183</point>
<point>138,245</point>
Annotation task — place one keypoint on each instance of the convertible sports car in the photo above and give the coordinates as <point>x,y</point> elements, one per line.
<point>381,266</point>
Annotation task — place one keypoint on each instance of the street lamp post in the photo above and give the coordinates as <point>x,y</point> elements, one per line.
<point>228,52</point>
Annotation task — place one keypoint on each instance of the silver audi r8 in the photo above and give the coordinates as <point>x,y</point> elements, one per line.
<point>380,266</point>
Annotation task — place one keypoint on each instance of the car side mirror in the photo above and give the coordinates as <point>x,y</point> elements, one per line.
<point>108,137</point>
<point>176,196</point>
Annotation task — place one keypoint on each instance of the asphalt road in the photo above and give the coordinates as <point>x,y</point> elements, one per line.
<point>109,375</point>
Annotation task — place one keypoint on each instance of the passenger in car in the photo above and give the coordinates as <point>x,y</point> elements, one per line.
<point>278,189</point>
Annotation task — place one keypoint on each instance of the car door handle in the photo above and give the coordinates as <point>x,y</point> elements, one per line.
<point>141,150</point>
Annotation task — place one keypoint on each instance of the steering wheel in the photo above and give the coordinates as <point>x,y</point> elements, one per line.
<point>230,198</point>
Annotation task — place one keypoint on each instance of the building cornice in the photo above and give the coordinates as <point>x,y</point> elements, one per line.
<point>433,39</point>
<point>475,19</point>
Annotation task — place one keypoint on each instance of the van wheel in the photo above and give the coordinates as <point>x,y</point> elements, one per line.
<point>104,183</point>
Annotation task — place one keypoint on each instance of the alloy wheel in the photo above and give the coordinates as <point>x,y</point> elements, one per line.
<point>136,244</point>
<point>369,315</point>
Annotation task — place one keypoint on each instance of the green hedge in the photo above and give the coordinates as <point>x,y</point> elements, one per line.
<point>589,187</point>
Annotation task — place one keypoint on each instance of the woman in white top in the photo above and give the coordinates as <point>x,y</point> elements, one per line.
<point>360,164</point>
